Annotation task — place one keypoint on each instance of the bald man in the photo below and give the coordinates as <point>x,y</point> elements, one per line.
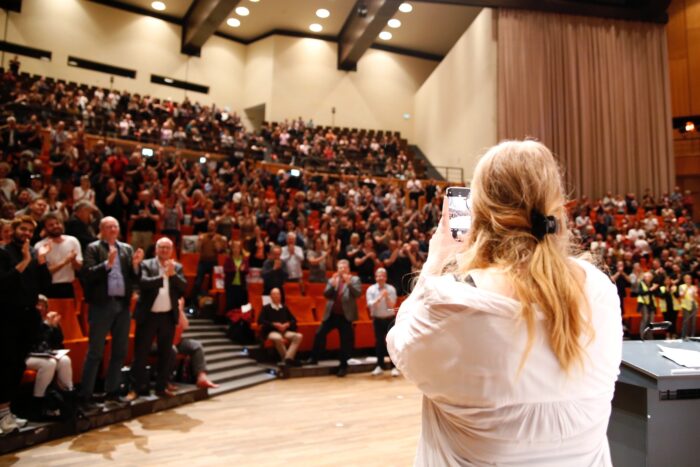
<point>110,271</point>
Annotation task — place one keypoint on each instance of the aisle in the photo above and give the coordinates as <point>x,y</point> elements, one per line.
<point>323,421</point>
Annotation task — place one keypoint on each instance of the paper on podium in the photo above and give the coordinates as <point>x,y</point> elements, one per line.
<point>683,357</point>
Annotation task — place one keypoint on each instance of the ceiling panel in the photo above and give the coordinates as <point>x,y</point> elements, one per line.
<point>176,8</point>
<point>432,28</point>
<point>293,15</point>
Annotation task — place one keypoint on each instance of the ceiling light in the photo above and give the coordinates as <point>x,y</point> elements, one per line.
<point>160,6</point>
<point>255,1</point>
<point>385,35</point>
<point>689,126</point>
<point>323,13</point>
<point>233,22</point>
<point>242,11</point>
<point>316,27</point>
<point>394,23</point>
<point>405,7</point>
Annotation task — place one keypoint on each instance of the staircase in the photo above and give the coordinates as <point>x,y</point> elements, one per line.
<point>228,365</point>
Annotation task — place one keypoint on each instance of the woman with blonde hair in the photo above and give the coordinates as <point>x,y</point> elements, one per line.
<point>515,344</point>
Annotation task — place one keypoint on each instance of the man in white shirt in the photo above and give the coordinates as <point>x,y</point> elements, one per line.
<point>292,258</point>
<point>161,283</point>
<point>381,298</point>
<point>64,258</point>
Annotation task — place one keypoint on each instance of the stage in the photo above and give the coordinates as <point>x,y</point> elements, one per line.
<point>358,420</point>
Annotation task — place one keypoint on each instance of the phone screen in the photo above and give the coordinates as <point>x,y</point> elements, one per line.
<point>460,208</point>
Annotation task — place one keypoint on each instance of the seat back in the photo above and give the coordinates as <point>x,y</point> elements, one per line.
<point>66,307</point>
<point>301,308</point>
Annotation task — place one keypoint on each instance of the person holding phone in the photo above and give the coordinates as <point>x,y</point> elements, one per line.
<point>510,338</point>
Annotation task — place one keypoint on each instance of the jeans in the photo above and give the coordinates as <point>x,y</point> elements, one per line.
<point>111,317</point>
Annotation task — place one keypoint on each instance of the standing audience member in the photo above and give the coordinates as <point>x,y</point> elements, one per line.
<point>688,294</point>
<point>23,274</point>
<point>235,271</point>
<point>79,225</point>
<point>210,245</point>
<point>646,289</point>
<point>145,216</point>
<point>668,298</point>
<point>46,363</point>
<point>292,257</point>
<point>316,258</point>
<point>273,273</point>
<point>64,259</point>
<point>277,323</point>
<point>161,284</point>
<point>111,270</point>
<point>342,292</point>
<point>381,298</point>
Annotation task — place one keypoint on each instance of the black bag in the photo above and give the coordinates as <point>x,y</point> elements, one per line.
<point>240,332</point>
<point>61,405</point>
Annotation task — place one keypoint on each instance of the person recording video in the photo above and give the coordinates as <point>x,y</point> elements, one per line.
<point>515,344</point>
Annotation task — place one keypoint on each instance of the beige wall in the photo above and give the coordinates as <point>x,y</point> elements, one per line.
<point>307,83</point>
<point>455,109</point>
<point>290,76</point>
<point>107,35</point>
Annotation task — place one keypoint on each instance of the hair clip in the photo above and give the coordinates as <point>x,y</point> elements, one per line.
<point>542,225</point>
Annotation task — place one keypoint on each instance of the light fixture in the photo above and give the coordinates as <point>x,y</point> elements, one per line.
<point>233,22</point>
<point>385,35</point>
<point>323,13</point>
<point>316,27</point>
<point>394,23</point>
<point>202,160</point>
<point>159,6</point>
<point>242,11</point>
<point>689,126</point>
<point>254,1</point>
<point>169,80</point>
<point>405,7</point>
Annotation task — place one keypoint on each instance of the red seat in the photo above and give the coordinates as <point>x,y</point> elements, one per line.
<point>301,308</point>
<point>292,288</point>
<point>66,307</point>
<point>315,288</point>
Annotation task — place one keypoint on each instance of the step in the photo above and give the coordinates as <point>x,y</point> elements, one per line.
<point>242,383</point>
<point>223,348</point>
<point>230,364</point>
<point>205,327</point>
<point>203,334</point>
<point>210,341</point>
<point>236,373</point>
<point>225,357</point>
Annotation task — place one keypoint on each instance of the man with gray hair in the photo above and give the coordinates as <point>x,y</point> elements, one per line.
<point>110,271</point>
<point>293,257</point>
<point>342,292</point>
<point>162,283</point>
<point>381,298</point>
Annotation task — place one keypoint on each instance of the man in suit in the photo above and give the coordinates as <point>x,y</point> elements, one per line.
<point>110,270</point>
<point>342,291</point>
<point>79,225</point>
<point>161,284</point>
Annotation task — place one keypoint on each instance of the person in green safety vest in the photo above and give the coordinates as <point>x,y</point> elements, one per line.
<point>688,293</point>
<point>645,301</point>
<point>669,304</point>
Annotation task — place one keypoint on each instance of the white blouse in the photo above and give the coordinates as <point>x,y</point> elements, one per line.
<point>462,346</point>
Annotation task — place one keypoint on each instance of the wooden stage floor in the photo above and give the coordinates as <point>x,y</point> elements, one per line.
<point>321,421</point>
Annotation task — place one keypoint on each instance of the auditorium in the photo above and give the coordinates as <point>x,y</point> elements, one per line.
<point>350,232</point>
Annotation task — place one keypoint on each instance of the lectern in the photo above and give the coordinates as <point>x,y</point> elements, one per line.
<point>655,419</point>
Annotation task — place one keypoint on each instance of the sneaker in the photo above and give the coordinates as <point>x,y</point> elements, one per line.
<point>21,422</point>
<point>8,424</point>
<point>395,372</point>
<point>377,371</point>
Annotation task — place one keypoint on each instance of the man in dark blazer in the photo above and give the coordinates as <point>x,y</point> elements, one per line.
<point>342,292</point>
<point>161,284</point>
<point>110,270</point>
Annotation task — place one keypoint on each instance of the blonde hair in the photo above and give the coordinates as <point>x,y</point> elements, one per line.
<point>510,181</point>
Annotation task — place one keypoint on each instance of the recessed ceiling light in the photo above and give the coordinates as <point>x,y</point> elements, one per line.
<point>255,1</point>
<point>323,13</point>
<point>316,27</point>
<point>160,6</point>
<point>233,22</point>
<point>385,35</point>
<point>394,23</point>
<point>405,7</point>
<point>242,11</point>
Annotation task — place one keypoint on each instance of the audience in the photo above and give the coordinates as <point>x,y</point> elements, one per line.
<point>278,324</point>
<point>381,299</point>
<point>64,259</point>
<point>342,292</point>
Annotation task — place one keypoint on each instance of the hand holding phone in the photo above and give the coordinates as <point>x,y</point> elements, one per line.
<point>460,211</point>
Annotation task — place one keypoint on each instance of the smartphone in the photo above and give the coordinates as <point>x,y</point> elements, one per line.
<point>459,203</point>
